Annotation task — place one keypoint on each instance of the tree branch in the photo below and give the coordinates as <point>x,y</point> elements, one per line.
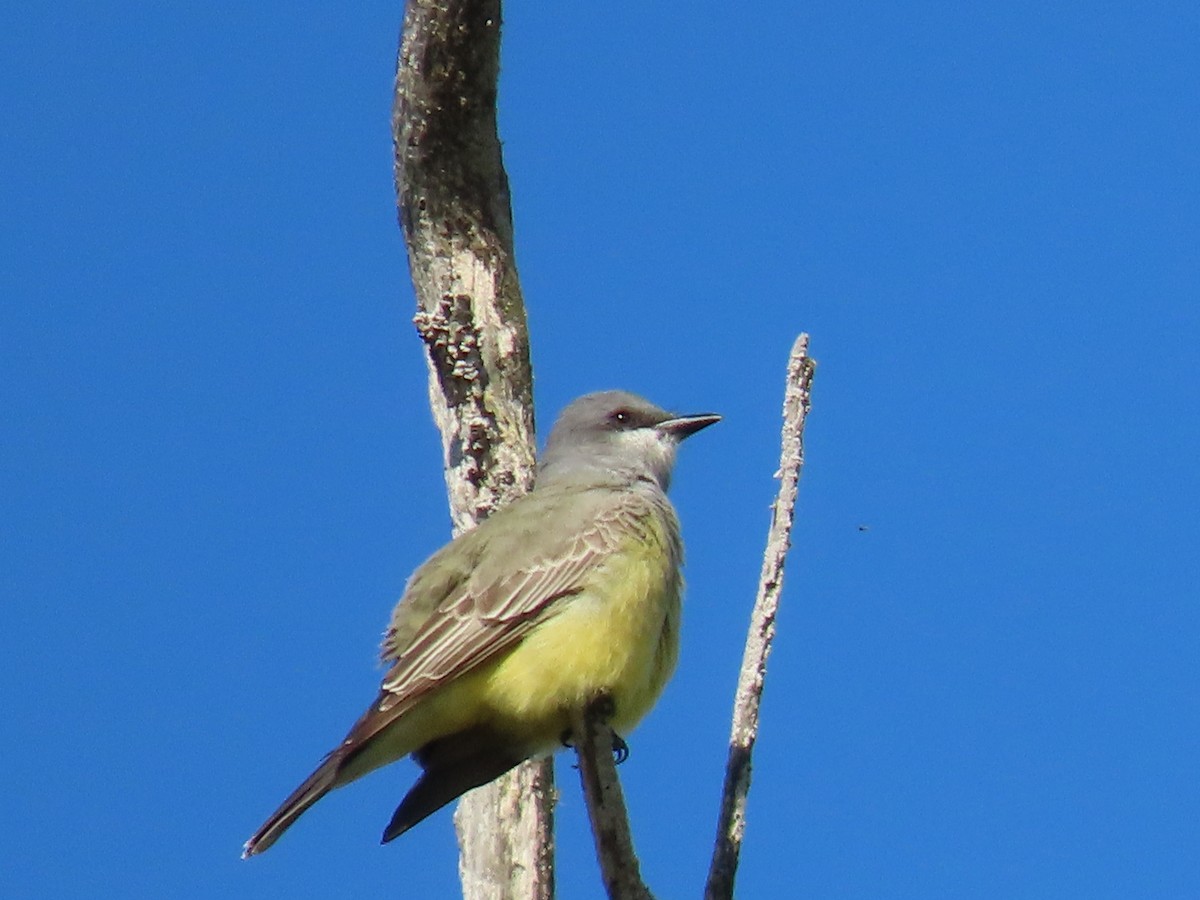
<point>453,200</point>
<point>731,822</point>
<point>454,209</point>
<point>594,743</point>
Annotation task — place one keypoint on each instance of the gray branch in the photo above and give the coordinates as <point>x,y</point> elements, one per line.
<point>453,199</point>
<point>606,806</point>
<point>731,822</point>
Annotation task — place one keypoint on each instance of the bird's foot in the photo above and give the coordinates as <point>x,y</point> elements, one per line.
<point>620,749</point>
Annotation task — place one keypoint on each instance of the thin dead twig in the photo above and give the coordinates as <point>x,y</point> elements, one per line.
<point>594,743</point>
<point>731,822</point>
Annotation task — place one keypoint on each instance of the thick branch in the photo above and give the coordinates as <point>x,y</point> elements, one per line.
<point>731,822</point>
<point>454,208</point>
<point>594,742</point>
<point>453,201</point>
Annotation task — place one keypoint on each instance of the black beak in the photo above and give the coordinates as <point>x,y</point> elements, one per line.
<point>681,427</point>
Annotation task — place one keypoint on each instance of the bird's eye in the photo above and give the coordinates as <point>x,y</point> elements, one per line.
<point>621,417</point>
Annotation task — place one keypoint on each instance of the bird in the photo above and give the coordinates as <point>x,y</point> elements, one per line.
<point>569,595</point>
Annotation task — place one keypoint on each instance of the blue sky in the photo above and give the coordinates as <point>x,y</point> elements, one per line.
<point>219,468</point>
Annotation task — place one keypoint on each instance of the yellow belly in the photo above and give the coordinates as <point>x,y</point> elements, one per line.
<point>620,637</point>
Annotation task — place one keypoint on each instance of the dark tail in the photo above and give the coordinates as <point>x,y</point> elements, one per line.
<point>316,786</point>
<point>453,765</point>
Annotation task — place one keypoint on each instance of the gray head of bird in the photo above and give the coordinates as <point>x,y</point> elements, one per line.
<point>617,436</point>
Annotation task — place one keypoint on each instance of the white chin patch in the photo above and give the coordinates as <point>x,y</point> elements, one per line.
<point>656,448</point>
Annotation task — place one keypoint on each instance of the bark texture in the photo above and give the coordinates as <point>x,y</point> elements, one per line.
<point>453,200</point>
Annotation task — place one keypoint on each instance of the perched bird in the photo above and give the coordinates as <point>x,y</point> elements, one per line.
<point>565,596</point>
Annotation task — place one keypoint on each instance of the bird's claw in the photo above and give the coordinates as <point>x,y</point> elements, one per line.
<point>620,749</point>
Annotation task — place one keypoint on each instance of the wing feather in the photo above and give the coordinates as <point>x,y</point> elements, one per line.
<point>511,588</point>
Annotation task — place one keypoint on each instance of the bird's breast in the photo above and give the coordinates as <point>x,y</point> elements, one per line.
<point>618,635</point>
